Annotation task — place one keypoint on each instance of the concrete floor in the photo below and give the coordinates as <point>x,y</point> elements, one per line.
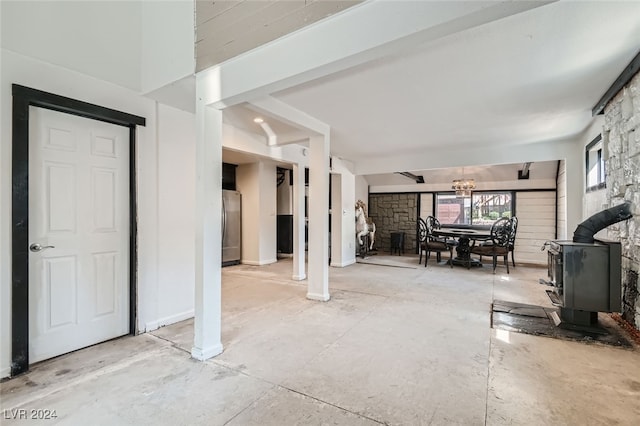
<point>394,345</point>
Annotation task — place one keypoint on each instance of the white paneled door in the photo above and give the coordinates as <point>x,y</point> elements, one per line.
<point>78,232</point>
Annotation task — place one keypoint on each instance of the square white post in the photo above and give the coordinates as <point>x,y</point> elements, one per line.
<point>299,252</point>
<point>208,310</point>
<point>318,288</point>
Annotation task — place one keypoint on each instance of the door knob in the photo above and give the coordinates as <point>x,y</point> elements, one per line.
<point>35,247</point>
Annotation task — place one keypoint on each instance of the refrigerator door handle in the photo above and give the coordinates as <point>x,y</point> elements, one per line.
<point>224,218</point>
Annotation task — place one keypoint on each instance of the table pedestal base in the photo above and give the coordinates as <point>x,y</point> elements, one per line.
<point>458,261</point>
<point>463,257</point>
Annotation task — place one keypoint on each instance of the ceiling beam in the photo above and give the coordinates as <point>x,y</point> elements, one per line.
<point>444,158</point>
<point>622,80</point>
<point>524,173</point>
<point>284,112</point>
<point>418,179</point>
<point>338,43</point>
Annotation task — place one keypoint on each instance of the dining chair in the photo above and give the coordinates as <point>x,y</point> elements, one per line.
<point>430,242</point>
<point>512,238</point>
<point>498,245</point>
<point>422,237</point>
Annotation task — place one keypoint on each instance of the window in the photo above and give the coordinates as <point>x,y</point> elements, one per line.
<point>452,210</point>
<point>491,206</point>
<point>595,165</point>
<point>481,208</point>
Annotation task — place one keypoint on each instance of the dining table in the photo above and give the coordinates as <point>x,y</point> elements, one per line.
<point>464,236</point>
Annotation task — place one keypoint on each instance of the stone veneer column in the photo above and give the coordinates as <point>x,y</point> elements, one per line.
<point>621,140</point>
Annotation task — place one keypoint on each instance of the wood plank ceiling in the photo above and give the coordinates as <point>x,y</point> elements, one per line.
<point>225,29</point>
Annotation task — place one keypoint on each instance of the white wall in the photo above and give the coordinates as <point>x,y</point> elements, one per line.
<point>343,228</point>
<point>156,226</point>
<point>246,184</point>
<point>176,206</point>
<point>361,190</point>
<point>102,39</point>
<point>267,212</point>
<point>562,201</point>
<point>426,205</point>
<point>480,186</point>
<point>141,45</point>
<point>536,212</point>
<point>593,201</point>
<point>167,39</point>
<point>257,184</point>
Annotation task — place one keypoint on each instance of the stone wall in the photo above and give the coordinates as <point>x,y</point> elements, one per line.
<point>394,212</point>
<point>621,136</point>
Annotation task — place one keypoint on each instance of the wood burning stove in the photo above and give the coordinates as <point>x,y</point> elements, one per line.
<point>586,273</point>
<point>585,280</point>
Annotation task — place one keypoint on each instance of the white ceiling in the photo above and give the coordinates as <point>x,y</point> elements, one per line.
<point>531,77</point>
<point>538,171</point>
<point>243,116</point>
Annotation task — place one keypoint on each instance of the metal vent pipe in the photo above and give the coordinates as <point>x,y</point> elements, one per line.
<point>586,230</point>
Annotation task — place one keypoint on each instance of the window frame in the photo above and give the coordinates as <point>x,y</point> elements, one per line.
<point>472,225</point>
<point>598,163</point>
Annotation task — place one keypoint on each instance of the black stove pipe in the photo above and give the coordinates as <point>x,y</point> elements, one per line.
<point>585,231</point>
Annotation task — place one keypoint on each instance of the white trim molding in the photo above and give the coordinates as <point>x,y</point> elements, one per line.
<point>318,297</point>
<point>171,319</point>
<point>258,262</point>
<point>343,264</point>
<point>205,354</point>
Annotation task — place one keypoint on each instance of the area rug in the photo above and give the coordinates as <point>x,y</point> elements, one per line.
<point>396,261</point>
<point>536,320</point>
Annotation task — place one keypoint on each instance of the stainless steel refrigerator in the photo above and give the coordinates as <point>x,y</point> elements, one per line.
<point>231,227</point>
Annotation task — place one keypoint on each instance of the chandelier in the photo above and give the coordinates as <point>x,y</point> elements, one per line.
<point>463,186</point>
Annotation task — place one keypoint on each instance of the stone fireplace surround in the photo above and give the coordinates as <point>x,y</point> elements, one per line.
<point>391,213</point>
<point>621,139</point>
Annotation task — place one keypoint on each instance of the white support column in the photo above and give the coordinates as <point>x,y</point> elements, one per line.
<point>336,219</point>
<point>343,227</point>
<point>267,208</point>
<point>208,310</point>
<point>257,184</point>
<point>299,272</point>
<point>348,219</point>
<point>318,288</point>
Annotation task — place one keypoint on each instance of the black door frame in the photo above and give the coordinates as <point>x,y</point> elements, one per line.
<point>23,98</point>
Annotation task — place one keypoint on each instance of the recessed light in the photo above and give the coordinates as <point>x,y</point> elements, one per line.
<point>258,120</point>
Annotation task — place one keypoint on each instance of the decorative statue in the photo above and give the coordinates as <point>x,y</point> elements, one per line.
<point>364,224</point>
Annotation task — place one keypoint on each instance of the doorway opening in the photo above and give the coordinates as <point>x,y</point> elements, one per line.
<point>23,99</point>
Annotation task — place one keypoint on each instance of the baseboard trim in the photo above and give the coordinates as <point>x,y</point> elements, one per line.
<point>205,354</point>
<point>343,264</point>
<point>258,262</point>
<point>5,372</point>
<point>172,319</point>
